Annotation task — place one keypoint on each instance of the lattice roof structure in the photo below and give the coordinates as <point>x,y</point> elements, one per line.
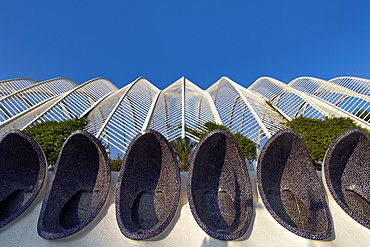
<point>115,115</point>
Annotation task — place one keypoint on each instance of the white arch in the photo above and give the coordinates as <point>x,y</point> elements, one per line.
<point>120,116</point>
<point>23,99</point>
<point>116,116</point>
<point>10,86</point>
<point>247,111</point>
<point>292,102</point>
<point>180,106</point>
<point>74,102</point>
<point>334,95</point>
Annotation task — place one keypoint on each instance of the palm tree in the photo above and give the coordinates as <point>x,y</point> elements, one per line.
<point>183,148</point>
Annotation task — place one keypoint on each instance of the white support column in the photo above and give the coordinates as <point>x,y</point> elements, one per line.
<point>116,107</point>
<point>183,108</point>
<point>255,115</point>
<point>215,113</point>
<point>151,111</point>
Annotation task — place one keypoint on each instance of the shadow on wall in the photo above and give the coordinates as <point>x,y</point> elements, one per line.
<point>213,242</point>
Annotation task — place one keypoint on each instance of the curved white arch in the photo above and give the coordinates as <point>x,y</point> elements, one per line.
<point>335,95</point>
<point>180,106</point>
<point>359,85</point>
<point>292,102</point>
<point>120,117</point>
<point>10,86</point>
<point>21,100</point>
<point>74,102</point>
<point>116,116</point>
<point>245,111</point>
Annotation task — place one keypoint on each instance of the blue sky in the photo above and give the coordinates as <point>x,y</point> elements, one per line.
<point>201,40</point>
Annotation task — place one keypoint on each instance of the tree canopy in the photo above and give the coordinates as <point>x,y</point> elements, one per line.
<point>319,134</point>
<point>51,135</point>
<point>116,163</point>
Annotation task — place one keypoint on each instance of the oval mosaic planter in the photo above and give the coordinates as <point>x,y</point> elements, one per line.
<point>347,174</point>
<point>22,174</point>
<point>148,187</point>
<point>219,188</point>
<point>290,188</point>
<point>78,188</point>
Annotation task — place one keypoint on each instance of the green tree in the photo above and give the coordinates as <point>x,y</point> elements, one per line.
<point>51,136</point>
<point>183,148</point>
<point>246,145</point>
<point>319,134</point>
<point>116,163</point>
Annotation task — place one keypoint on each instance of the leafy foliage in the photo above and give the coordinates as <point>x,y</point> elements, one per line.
<point>209,127</point>
<point>116,163</point>
<point>319,134</point>
<point>183,148</point>
<point>246,145</point>
<point>51,136</point>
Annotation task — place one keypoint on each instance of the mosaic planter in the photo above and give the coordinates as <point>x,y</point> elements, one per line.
<point>219,188</point>
<point>78,188</point>
<point>290,188</point>
<point>22,174</point>
<point>347,174</point>
<point>148,187</point>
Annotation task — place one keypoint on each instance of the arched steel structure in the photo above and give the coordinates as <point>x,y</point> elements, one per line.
<point>290,101</point>
<point>13,85</point>
<point>27,97</point>
<point>115,116</point>
<point>76,101</point>
<point>180,106</point>
<point>119,118</point>
<point>65,106</point>
<point>342,97</point>
<point>358,85</point>
<point>245,111</point>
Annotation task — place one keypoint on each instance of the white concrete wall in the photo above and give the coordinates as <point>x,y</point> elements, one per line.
<point>183,231</point>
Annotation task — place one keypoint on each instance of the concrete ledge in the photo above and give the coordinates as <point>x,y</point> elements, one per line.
<point>183,231</point>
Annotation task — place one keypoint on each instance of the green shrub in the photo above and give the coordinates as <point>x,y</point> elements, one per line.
<point>51,136</point>
<point>319,134</point>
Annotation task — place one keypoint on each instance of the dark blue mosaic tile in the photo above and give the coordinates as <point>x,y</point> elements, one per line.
<point>78,188</point>
<point>219,188</point>
<point>22,174</point>
<point>347,174</point>
<point>290,188</point>
<point>148,187</point>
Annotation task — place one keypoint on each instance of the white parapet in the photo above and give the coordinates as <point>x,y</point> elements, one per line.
<point>183,231</point>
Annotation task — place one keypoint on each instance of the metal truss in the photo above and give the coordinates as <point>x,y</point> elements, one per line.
<point>76,101</point>
<point>290,101</point>
<point>27,97</point>
<point>116,116</point>
<point>358,85</point>
<point>245,111</point>
<point>65,106</point>
<point>120,117</point>
<point>10,86</point>
<point>180,106</point>
<point>345,99</point>
<point>23,119</point>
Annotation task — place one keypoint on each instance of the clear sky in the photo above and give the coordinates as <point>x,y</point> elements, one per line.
<point>201,40</point>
